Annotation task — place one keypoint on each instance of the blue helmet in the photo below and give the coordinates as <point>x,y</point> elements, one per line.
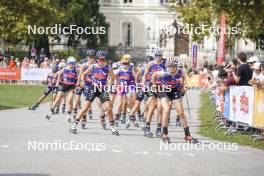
<point>91,52</point>
<point>101,54</point>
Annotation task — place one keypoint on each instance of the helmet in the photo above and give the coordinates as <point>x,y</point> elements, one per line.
<point>62,65</point>
<point>71,60</point>
<point>158,53</point>
<point>172,61</point>
<point>126,58</point>
<point>101,54</point>
<point>91,52</point>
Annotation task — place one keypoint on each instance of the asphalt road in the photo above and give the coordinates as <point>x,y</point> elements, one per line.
<point>103,154</point>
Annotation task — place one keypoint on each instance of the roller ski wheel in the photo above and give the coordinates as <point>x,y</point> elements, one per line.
<point>158,132</point>
<point>165,139</point>
<point>33,108</point>
<point>128,124</point>
<point>114,131</point>
<point>136,124</point>
<point>73,131</point>
<point>49,115</point>
<point>190,139</point>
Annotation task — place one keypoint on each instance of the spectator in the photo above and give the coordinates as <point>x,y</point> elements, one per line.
<point>42,55</point>
<point>244,72</point>
<point>231,69</point>
<point>45,63</point>
<point>33,64</point>
<point>258,77</point>
<point>252,60</point>
<point>7,52</point>
<point>12,63</point>
<point>25,63</point>
<point>18,62</point>
<point>1,57</point>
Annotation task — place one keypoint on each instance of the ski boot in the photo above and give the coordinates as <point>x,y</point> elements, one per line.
<point>190,139</point>
<point>178,121</point>
<point>131,119</point>
<point>114,131</point>
<point>57,111</point>
<point>158,132</point>
<point>73,128</point>
<point>139,117</point>
<point>103,122</point>
<point>63,109</point>
<point>117,118</point>
<point>147,132</point>
<point>34,107</point>
<point>123,119</point>
<point>50,114</point>
<point>83,122</point>
<point>74,113</point>
<point>90,114</point>
<point>69,117</point>
<point>165,138</point>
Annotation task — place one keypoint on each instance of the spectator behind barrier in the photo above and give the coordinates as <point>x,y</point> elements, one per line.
<point>244,72</point>
<point>258,77</point>
<point>12,63</point>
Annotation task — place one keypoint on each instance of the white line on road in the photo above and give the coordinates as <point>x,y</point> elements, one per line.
<point>144,153</point>
<point>5,146</point>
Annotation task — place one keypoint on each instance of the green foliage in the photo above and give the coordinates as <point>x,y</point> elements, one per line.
<point>247,15</point>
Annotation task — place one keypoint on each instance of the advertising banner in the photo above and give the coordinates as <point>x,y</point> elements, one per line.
<point>9,74</point>
<point>38,74</point>
<point>258,115</point>
<point>242,99</point>
<point>227,104</point>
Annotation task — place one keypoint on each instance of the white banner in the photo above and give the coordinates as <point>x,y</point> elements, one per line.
<point>241,104</point>
<point>35,74</point>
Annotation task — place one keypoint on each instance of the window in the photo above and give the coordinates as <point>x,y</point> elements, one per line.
<point>127,34</point>
<point>128,1</point>
<point>106,2</point>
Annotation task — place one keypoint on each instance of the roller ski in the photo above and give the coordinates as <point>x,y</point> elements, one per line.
<point>147,132</point>
<point>178,122</point>
<point>114,131</point>
<point>73,128</point>
<point>140,117</point>
<point>33,108</point>
<point>103,122</point>
<point>50,114</point>
<point>158,132</point>
<point>190,139</point>
<point>165,138</point>
<point>90,114</point>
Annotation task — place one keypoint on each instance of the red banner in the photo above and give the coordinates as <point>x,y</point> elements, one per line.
<point>221,47</point>
<point>9,74</point>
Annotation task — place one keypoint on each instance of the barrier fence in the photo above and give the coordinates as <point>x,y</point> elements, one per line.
<point>240,108</point>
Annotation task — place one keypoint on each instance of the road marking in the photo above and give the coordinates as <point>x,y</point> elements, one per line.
<point>117,151</point>
<point>144,153</point>
<point>5,146</point>
<point>189,154</point>
<point>163,153</point>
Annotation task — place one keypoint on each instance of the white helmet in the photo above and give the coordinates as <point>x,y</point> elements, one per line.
<point>172,61</point>
<point>62,65</point>
<point>71,60</point>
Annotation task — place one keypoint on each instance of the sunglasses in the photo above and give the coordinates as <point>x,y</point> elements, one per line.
<point>125,63</point>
